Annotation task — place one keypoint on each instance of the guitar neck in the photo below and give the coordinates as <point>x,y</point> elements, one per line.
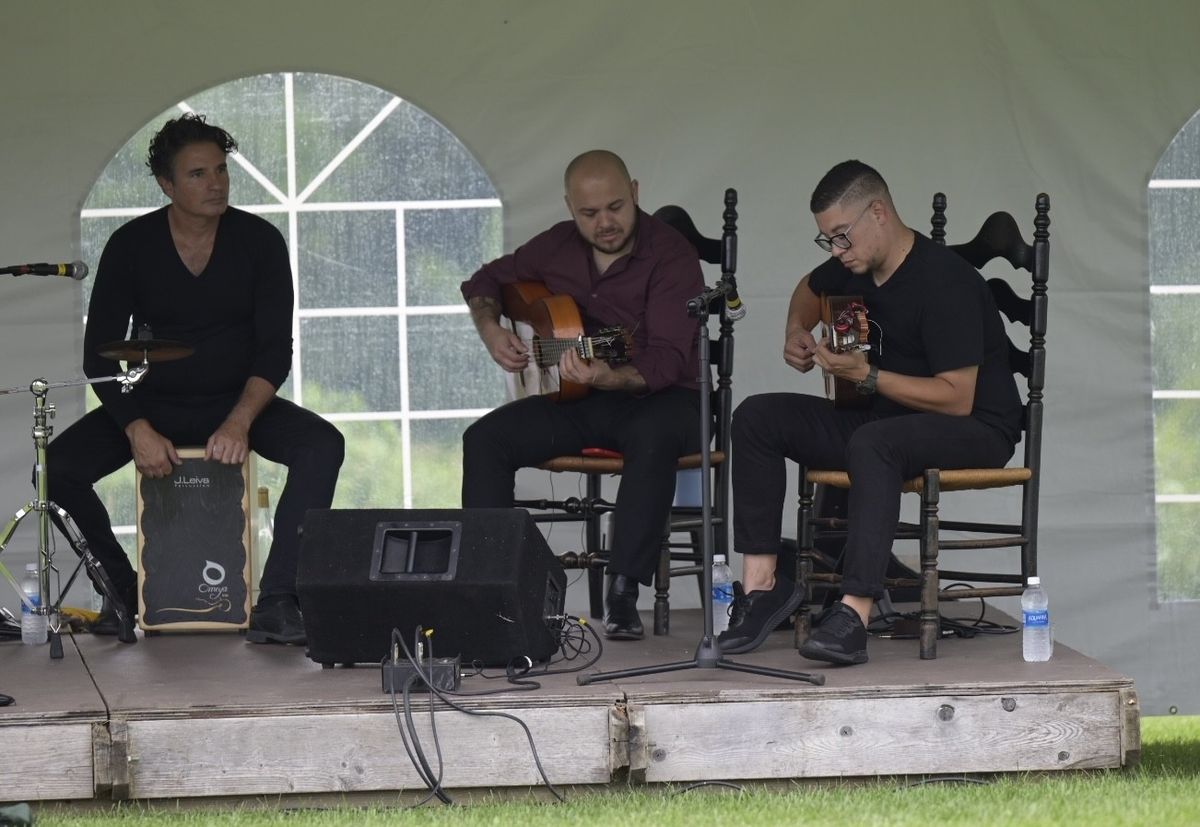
<point>547,351</point>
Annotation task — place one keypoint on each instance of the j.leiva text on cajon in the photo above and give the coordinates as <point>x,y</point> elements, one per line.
<point>194,546</point>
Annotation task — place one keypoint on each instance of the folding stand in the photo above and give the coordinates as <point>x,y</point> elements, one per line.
<point>48,513</point>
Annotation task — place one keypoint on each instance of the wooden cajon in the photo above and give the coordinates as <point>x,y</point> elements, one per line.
<point>193,546</point>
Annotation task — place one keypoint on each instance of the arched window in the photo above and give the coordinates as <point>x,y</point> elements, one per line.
<point>384,212</point>
<point>1174,208</point>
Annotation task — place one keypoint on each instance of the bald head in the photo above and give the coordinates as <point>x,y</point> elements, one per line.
<point>595,163</point>
<point>602,200</point>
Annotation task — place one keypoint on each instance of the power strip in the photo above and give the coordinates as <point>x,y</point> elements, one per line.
<point>445,673</point>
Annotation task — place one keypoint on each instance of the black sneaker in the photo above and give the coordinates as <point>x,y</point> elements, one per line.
<point>755,615</point>
<point>838,636</point>
<point>277,619</point>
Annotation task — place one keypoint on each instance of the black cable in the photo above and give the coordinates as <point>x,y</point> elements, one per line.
<point>700,784</point>
<point>573,627</point>
<point>435,789</point>
<point>444,697</point>
<point>415,754</point>
<point>945,779</point>
<point>437,744</point>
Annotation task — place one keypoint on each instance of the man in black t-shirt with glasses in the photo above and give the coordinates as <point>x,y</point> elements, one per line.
<point>940,390</point>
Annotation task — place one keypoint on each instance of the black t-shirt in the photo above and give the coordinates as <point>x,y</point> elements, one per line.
<point>935,314</point>
<point>237,314</point>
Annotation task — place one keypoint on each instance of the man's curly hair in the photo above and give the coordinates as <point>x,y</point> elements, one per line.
<point>179,132</point>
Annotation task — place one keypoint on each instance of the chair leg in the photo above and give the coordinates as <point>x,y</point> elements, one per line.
<point>930,611</point>
<point>804,560</point>
<point>595,546</point>
<point>662,586</point>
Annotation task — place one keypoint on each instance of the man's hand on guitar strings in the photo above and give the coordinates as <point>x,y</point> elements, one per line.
<point>850,365</point>
<point>507,349</point>
<point>798,351</point>
<point>574,368</point>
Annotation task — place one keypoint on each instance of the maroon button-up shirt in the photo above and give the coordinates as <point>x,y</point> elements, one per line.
<point>645,291</point>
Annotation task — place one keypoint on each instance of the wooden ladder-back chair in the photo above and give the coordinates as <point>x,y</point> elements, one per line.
<point>1000,237</point>
<point>684,519</point>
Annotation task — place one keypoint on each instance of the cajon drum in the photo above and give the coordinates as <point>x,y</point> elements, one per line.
<point>193,546</point>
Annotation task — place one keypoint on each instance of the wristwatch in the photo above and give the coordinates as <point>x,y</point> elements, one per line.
<point>867,385</point>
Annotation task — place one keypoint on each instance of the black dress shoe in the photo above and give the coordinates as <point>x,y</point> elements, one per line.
<point>108,623</point>
<point>277,619</point>
<point>755,615</point>
<point>621,619</point>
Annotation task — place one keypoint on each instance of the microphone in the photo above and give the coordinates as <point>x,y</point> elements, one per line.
<point>75,270</point>
<point>734,309</point>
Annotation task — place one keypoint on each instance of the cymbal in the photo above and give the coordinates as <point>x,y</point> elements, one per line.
<point>154,350</point>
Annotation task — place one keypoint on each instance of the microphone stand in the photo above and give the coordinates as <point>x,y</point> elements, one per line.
<point>708,653</point>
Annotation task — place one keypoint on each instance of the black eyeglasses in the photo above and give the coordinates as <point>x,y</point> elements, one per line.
<point>842,239</point>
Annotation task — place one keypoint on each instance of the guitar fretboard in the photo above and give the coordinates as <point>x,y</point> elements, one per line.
<point>548,352</point>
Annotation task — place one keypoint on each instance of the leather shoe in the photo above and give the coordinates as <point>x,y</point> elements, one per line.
<point>621,619</point>
<point>108,623</point>
<point>755,615</point>
<point>277,619</point>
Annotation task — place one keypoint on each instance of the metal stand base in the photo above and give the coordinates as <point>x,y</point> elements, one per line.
<point>707,656</point>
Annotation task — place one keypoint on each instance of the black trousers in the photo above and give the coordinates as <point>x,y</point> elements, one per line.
<point>651,431</point>
<point>94,447</point>
<point>878,452</point>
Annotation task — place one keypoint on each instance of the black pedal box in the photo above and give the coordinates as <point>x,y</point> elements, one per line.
<point>444,673</point>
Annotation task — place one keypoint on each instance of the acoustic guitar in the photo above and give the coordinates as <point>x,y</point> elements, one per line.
<point>550,325</point>
<point>844,325</point>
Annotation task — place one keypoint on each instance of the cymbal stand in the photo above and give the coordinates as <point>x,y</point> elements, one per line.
<point>47,511</point>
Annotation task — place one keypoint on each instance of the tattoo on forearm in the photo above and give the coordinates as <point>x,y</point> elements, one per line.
<point>483,309</point>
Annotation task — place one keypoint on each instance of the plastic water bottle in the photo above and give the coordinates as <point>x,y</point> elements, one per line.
<point>722,593</point>
<point>1037,641</point>
<point>34,627</point>
<point>266,535</point>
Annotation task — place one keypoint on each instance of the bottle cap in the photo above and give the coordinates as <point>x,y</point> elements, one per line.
<point>31,568</point>
<point>1035,581</point>
<point>718,558</point>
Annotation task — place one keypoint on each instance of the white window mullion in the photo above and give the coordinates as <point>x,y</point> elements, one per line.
<point>293,217</point>
<point>402,329</point>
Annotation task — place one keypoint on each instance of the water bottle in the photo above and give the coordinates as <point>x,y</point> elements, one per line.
<point>1037,641</point>
<point>34,628</point>
<point>722,593</point>
<point>266,534</point>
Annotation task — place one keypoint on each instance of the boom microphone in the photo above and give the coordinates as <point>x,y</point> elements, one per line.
<point>75,270</point>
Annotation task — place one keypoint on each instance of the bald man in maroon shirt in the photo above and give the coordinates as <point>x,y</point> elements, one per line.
<point>622,267</point>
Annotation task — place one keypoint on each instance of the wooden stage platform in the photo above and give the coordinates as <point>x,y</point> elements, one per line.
<point>208,715</point>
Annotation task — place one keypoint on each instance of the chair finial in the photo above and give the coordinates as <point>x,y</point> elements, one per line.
<point>938,234</point>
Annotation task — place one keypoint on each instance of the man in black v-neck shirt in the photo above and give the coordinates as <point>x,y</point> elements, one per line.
<point>940,390</point>
<point>217,279</point>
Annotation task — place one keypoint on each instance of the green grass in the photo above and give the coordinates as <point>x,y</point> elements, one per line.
<point>1163,790</point>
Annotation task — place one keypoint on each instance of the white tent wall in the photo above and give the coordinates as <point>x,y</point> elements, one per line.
<point>990,102</point>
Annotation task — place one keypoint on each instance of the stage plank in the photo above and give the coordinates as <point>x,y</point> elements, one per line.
<point>48,730</point>
<point>207,715</point>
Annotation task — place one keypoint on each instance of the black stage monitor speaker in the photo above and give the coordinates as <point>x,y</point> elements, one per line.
<point>483,579</point>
